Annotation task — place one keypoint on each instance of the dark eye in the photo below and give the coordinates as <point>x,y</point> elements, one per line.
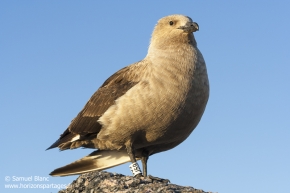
<point>171,23</point>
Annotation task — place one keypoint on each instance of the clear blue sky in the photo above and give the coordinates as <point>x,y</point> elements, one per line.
<point>55,54</point>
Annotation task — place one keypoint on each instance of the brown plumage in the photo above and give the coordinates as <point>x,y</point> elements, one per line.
<point>145,108</point>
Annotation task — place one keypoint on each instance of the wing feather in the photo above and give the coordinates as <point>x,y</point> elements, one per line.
<point>86,122</point>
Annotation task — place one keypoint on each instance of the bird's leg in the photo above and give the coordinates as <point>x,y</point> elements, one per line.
<point>134,167</point>
<point>144,159</point>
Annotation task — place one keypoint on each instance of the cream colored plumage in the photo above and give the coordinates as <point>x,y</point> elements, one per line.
<point>146,108</point>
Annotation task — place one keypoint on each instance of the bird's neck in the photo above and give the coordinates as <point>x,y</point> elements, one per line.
<point>171,47</point>
<point>163,41</point>
<point>177,53</point>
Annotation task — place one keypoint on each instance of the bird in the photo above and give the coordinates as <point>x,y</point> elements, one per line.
<point>145,108</point>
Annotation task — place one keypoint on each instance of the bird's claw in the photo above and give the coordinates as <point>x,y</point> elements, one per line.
<point>138,176</point>
<point>159,179</point>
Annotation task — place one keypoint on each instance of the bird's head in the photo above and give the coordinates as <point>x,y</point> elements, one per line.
<point>174,29</point>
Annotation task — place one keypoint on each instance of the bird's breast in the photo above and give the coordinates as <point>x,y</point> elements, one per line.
<point>181,97</point>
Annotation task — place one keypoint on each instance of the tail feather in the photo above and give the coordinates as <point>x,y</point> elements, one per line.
<point>98,160</point>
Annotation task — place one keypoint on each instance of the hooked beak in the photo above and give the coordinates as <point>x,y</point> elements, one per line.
<point>190,27</point>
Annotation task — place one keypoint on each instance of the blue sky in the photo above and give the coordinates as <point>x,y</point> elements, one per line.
<point>55,54</point>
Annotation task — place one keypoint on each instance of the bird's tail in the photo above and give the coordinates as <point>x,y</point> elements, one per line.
<point>98,160</point>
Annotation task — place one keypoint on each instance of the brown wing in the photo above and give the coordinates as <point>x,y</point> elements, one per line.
<point>85,123</point>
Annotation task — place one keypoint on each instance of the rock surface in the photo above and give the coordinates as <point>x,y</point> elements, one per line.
<point>98,182</point>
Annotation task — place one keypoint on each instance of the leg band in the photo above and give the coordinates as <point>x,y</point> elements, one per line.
<point>135,169</point>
